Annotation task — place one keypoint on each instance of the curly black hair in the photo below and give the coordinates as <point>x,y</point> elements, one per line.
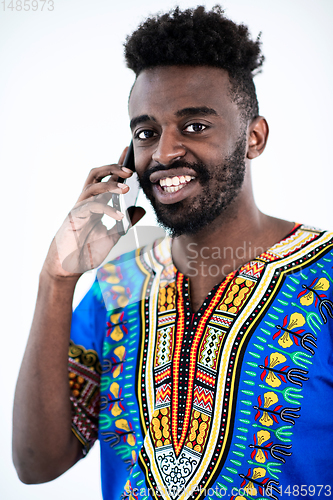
<point>196,37</point>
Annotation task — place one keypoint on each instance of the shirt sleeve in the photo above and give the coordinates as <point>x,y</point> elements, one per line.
<point>84,366</point>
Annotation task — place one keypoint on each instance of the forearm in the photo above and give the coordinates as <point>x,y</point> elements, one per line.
<point>43,445</point>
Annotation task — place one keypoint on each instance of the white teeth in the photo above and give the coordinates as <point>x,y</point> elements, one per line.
<point>175,182</point>
<point>173,189</point>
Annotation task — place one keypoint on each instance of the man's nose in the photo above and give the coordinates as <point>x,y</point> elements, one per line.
<point>169,148</point>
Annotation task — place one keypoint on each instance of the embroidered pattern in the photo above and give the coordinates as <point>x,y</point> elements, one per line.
<point>84,371</point>
<point>188,366</point>
<point>192,402</point>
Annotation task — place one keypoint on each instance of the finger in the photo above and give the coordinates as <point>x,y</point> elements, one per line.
<point>91,208</point>
<point>101,198</point>
<point>103,188</point>
<point>96,175</point>
<point>135,214</point>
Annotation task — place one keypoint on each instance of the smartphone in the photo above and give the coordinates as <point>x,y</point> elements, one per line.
<point>122,202</point>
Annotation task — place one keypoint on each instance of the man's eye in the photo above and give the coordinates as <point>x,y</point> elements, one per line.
<point>144,134</point>
<point>195,127</point>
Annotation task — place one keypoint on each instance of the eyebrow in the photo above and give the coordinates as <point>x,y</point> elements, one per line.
<point>191,111</point>
<point>202,110</point>
<point>141,119</point>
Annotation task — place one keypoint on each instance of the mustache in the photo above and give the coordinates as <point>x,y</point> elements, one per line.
<point>198,167</point>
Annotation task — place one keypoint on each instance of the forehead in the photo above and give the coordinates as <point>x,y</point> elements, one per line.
<point>165,90</point>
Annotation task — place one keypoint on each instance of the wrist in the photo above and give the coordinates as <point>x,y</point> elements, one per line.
<point>48,277</point>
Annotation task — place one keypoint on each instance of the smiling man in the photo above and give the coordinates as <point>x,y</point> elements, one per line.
<point>203,362</point>
<point>208,140</point>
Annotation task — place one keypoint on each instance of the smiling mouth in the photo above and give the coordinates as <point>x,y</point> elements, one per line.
<point>175,183</point>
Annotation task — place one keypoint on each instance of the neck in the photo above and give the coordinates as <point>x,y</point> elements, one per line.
<point>231,240</point>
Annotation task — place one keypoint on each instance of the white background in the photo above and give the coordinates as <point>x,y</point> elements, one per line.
<point>63,110</point>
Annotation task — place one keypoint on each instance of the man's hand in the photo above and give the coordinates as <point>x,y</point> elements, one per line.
<point>83,241</point>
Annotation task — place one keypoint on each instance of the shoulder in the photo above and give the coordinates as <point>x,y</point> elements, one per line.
<point>121,279</point>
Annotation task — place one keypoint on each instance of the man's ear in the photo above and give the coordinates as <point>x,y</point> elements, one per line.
<point>257,137</point>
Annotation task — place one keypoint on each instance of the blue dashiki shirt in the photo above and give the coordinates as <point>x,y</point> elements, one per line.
<point>235,400</point>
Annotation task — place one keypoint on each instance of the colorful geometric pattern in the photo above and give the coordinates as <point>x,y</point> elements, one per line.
<point>84,370</point>
<point>164,346</point>
<point>228,397</point>
<point>163,394</point>
<point>252,270</point>
<point>204,383</point>
<point>203,399</point>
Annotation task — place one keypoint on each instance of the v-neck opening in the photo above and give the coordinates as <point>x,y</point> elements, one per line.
<point>228,277</point>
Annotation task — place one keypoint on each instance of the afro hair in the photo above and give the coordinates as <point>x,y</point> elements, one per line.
<point>196,37</point>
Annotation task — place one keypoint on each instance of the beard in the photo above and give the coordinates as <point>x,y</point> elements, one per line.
<point>221,185</point>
